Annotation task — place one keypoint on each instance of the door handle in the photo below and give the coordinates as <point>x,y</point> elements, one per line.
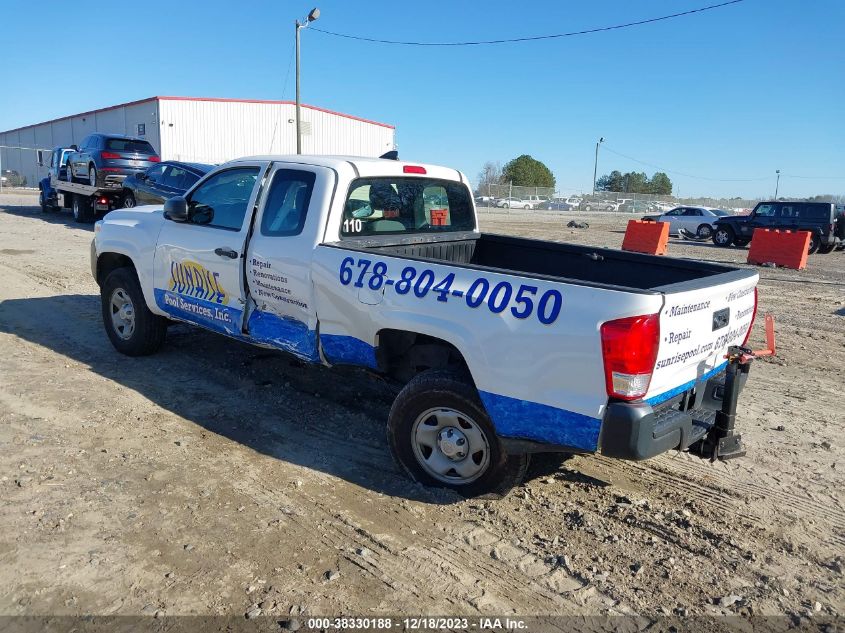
<point>226,252</point>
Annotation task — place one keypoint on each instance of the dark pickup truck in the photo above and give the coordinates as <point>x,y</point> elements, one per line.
<point>824,220</point>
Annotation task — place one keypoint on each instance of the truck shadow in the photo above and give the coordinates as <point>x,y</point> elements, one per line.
<point>330,420</point>
<point>56,217</point>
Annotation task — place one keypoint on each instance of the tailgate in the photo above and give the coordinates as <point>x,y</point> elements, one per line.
<point>696,329</point>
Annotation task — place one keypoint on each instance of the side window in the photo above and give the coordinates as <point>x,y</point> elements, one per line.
<point>436,205</point>
<point>675,212</point>
<point>176,178</point>
<point>765,210</point>
<point>287,202</point>
<point>788,211</point>
<point>84,142</point>
<point>221,201</point>
<point>155,174</point>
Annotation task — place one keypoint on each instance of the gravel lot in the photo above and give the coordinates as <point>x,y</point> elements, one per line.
<point>217,478</point>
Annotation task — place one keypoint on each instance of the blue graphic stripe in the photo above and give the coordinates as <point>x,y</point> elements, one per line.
<point>348,350</point>
<point>666,395</point>
<point>284,333</point>
<point>214,316</point>
<point>534,421</point>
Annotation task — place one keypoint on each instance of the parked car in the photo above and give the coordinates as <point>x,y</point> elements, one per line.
<point>558,204</point>
<point>635,206</point>
<point>162,181</point>
<point>11,178</point>
<point>485,201</point>
<point>536,201</point>
<point>268,250</point>
<point>105,160</point>
<point>599,205</point>
<point>698,220</point>
<point>824,220</point>
<point>514,203</point>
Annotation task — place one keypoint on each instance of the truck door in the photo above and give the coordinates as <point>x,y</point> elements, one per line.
<point>278,263</point>
<point>198,272</point>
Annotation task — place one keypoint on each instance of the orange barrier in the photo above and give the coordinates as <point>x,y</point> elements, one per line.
<point>650,238</point>
<point>438,217</point>
<point>784,248</point>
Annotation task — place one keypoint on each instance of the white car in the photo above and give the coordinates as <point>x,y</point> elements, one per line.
<point>697,220</point>
<point>514,203</point>
<point>599,205</point>
<point>503,346</point>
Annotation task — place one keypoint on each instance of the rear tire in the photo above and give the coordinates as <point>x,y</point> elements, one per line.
<point>130,325</point>
<point>92,176</point>
<point>588,207</point>
<point>83,209</point>
<point>723,236</point>
<point>814,243</point>
<point>437,413</point>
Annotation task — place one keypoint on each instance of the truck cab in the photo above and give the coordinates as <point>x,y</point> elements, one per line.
<point>47,195</point>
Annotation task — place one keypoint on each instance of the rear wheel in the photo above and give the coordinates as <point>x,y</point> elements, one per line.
<point>92,176</point>
<point>128,199</point>
<point>130,326</point>
<point>83,209</point>
<point>814,243</point>
<point>723,236</point>
<point>441,435</point>
<point>704,231</point>
<point>588,207</point>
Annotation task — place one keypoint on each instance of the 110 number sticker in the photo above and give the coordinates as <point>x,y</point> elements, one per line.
<point>523,301</point>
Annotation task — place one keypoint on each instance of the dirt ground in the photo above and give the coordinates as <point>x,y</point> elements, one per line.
<point>217,478</point>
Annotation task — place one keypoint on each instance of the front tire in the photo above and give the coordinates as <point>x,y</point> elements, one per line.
<point>130,325</point>
<point>723,236</point>
<point>128,200</point>
<point>705,231</point>
<point>42,201</point>
<point>92,176</point>
<point>440,434</point>
<point>588,208</point>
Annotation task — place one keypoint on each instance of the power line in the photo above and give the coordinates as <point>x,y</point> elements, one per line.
<point>535,37</point>
<point>680,173</point>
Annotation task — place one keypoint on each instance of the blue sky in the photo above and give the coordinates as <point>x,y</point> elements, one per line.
<point>733,93</point>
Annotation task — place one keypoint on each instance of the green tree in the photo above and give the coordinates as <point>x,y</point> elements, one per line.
<point>525,171</point>
<point>660,184</point>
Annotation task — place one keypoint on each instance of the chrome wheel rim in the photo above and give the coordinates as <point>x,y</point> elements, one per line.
<point>92,176</point>
<point>721,237</point>
<point>128,201</point>
<point>450,446</point>
<point>122,314</point>
<point>705,231</point>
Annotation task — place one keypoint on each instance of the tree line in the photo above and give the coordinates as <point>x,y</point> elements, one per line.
<point>522,171</point>
<point>634,182</point>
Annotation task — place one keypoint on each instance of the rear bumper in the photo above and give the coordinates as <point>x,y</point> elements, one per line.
<point>636,431</point>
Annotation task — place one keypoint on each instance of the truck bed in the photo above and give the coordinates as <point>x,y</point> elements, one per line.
<point>570,263</point>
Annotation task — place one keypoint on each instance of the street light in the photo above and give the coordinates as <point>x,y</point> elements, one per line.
<point>777,184</point>
<point>596,166</point>
<point>315,13</point>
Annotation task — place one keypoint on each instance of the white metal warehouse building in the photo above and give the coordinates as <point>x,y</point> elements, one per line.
<point>205,130</point>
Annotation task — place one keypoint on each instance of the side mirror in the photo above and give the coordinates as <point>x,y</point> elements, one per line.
<point>74,148</point>
<point>176,209</point>
<point>40,156</point>
<point>141,175</point>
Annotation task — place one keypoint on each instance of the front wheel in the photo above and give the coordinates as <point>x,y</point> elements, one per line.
<point>42,201</point>
<point>588,208</point>
<point>723,236</point>
<point>130,325</point>
<point>704,231</point>
<point>92,176</point>
<point>441,435</point>
<point>128,200</point>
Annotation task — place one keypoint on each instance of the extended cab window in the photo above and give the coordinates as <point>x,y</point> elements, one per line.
<point>406,205</point>
<point>287,202</point>
<point>221,201</point>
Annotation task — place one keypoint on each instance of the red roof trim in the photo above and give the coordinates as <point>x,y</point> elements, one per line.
<point>304,105</point>
<point>218,99</point>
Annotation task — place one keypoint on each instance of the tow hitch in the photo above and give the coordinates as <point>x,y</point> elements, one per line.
<point>721,441</point>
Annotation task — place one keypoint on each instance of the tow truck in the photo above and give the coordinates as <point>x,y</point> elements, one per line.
<point>55,192</point>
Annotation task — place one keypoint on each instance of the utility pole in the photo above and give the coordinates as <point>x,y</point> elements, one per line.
<point>777,184</point>
<point>315,13</point>
<point>596,165</point>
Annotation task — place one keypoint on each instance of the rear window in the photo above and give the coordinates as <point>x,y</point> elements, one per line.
<point>129,145</point>
<point>402,205</point>
<point>814,211</point>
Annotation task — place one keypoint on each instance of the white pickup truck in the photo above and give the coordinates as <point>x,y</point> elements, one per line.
<point>505,346</point>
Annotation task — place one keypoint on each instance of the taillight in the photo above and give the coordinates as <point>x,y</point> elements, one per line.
<point>413,169</point>
<point>629,348</point>
<point>154,159</point>
<point>109,155</point>
<point>751,325</point>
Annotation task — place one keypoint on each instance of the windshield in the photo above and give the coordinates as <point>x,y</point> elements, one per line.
<point>129,145</point>
<point>406,205</point>
<point>719,212</point>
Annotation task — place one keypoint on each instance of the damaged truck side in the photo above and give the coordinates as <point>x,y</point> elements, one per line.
<point>502,346</point>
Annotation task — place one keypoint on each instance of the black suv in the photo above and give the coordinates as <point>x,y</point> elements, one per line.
<point>824,220</point>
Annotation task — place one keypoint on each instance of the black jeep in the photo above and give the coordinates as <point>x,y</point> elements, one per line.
<point>824,220</point>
